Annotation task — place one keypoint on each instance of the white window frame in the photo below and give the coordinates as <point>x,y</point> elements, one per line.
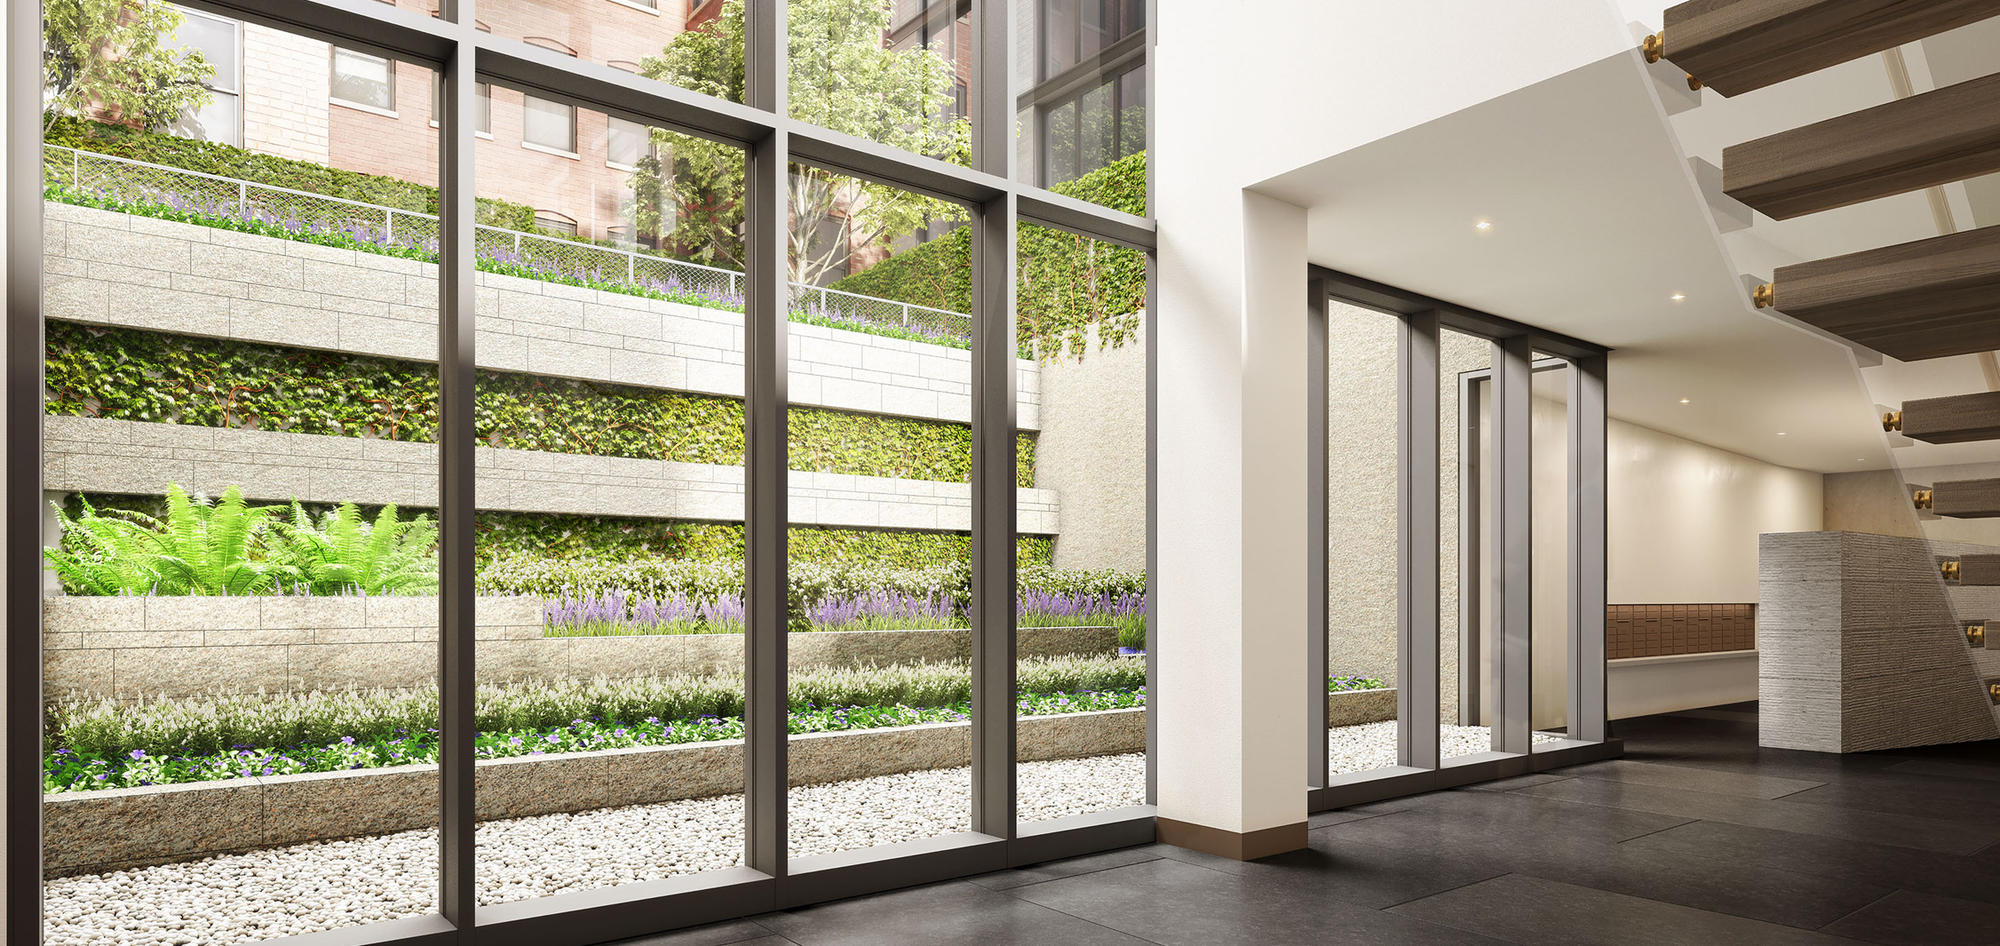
<point>235,89</point>
<point>333,69</point>
<point>547,148</point>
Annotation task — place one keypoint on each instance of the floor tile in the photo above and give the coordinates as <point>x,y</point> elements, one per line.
<point>1533,910</point>
<point>1037,873</point>
<point>734,933</point>
<point>1932,834</point>
<point>947,914</point>
<point>1172,902</point>
<point>1323,819</point>
<point>1689,777</point>
<point>1510,784</point>
<point>1946,769</point>
<point>1920,919</point>
<point>1880,864</point>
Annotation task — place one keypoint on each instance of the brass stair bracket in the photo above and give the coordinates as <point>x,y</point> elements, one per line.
<point>1892,421</point>
<point>1922,498</point>
<point>1949,570</point>
<point>1765,296</point>
<point>1655,46</point>
<point>1975,635</point>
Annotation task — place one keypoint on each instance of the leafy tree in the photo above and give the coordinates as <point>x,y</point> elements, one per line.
<point>841,78</point>
<point>117,57</point>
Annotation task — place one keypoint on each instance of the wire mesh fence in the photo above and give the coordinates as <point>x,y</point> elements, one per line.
<point>124,180</point>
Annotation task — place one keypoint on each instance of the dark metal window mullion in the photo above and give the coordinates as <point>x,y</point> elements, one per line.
<point>457,481</point>
<point>1510,655</point>
<point>1318,389</point>
<point>1417,540</point>
<point>766,513</point>
<point>994,421</point>
<point>1587,495</point>
<point>23,496</point>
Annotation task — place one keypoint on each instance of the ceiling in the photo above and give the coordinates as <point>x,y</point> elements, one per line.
<point>1597,223</point>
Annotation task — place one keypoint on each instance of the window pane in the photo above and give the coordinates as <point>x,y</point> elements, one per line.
<point>216,39</point>
<point>1081,708</point>
<point>1362,582</point>
<point>1082,111</point>
<point>881,443</point>
<point>363,79</point>
<point>549,124</point>
<point>610,498</point>
<point>627,143</point>
<point>244,748</point>
<point>1465,573</point>
<point>697,46</point>
<point>889,73</point>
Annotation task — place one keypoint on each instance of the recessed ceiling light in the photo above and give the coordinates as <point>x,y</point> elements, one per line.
<point>1678,296</point>
<point>1684,400</point>
<point>1781,433</point>
<point>1483,226</point>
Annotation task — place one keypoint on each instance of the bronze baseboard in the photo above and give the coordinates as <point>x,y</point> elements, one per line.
<point>1244,846</point>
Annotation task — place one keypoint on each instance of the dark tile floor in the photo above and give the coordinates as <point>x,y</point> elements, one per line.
<point>1696,836</point>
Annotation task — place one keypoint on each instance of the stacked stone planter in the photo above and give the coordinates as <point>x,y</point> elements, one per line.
<point>141,648</point>
<point>91,832</point>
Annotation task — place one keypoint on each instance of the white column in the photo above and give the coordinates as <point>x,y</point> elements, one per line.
<point>1232,584</point>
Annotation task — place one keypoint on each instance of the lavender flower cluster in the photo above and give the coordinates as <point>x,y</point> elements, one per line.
<point>1041,608</point>
<point>613,613</point>
<point>884,610</point>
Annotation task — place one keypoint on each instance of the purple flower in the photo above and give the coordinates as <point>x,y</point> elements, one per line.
<point>138,754</point>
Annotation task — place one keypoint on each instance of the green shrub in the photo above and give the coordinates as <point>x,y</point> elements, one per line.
<point>127,374</point>
<point>1064,283</point>
<point>208,157</point>
<point>110,728</point>
<point>228,547</point>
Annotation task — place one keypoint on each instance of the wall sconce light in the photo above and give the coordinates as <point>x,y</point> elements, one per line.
<point>1922,498</point>
<point>1949,570</point>
<point>1993,690</point>
<point>1975,635</point>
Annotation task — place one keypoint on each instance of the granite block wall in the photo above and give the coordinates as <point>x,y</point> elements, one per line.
<point>143,648</point>
<point>1862,647</point>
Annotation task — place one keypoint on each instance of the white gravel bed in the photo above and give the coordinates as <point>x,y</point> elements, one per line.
<point>309,887</point>
<point>1373,745</point>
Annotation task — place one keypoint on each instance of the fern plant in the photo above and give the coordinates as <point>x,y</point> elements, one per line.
<point>200,548</point>
<point>343,553</point>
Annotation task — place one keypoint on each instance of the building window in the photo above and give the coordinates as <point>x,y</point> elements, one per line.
<point>641,4</point>
<point>627,143</point>
<point>364,80</point>
<point>220,42</point>
<point>555,222</point>
<point>549,125</point>
<point>481,92</point>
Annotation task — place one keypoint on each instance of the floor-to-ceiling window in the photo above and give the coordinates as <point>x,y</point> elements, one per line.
<point>540,477</point>
<point>1454,551</point>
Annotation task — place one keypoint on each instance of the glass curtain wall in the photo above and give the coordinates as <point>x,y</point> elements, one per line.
<point>1081,645</point>
<point>240,415</point>
<point>310,668</point>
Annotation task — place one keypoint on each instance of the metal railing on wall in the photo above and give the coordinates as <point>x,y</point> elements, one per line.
<point>126,180</point>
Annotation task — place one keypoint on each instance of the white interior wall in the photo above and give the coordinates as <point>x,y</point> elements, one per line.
<point>1238,101</point>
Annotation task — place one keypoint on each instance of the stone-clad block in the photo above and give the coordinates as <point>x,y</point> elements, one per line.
<point>151,825</point>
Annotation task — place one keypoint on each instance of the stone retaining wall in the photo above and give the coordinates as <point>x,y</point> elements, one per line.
<point>1356,707</point>
<point>91,832</point>
<point>131,648</point>
<point>111,268</point>
<point>89,454</point>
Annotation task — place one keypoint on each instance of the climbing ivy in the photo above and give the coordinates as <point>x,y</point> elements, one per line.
<point>1065,283</point>
<point>128,374</point>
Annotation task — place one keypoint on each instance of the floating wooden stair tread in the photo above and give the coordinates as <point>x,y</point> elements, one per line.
<point>1979,570</point>
<point>1966,499</point>
<point>1960,418</point>
<point>1950,134</point>
<point>1735,46</point>
<point>1912,301</point>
